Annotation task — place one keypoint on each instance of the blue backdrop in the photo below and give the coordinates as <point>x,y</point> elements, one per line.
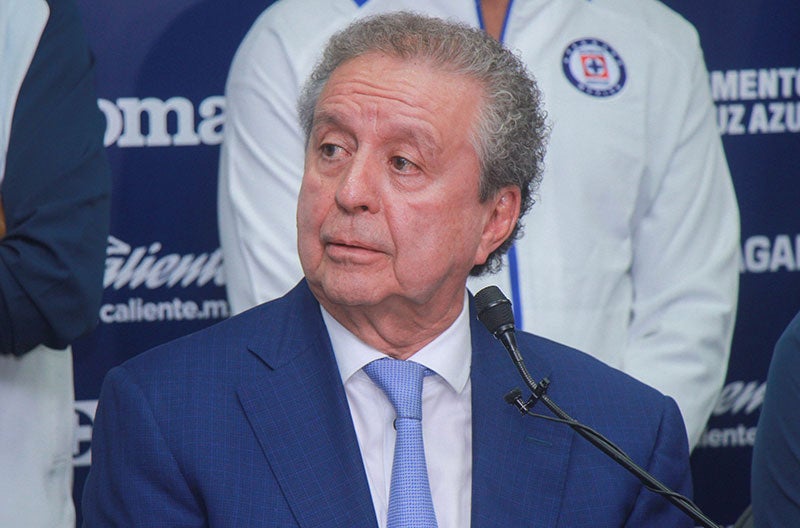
<point>752,51</point>
<point>161,68</point>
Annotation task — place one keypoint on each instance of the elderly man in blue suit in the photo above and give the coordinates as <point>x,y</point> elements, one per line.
<point>424,147</point>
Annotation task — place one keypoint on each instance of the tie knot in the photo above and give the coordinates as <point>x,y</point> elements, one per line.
<point>402,383</point>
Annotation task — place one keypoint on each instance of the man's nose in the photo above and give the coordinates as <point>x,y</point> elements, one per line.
<point>358,186</point>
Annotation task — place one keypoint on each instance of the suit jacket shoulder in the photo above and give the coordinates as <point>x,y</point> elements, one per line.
<point>534,472</point>
<point>244,423</point>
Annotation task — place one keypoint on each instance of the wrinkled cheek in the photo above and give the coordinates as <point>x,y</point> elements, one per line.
<point>308,243</point>
<point>312,202</point>
<point>303,211</point>
<point>420,254</point>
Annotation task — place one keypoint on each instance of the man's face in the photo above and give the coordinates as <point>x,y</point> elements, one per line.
<point>388,209</point>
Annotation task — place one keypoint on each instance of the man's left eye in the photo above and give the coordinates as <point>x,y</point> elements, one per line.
<point>402,164</point>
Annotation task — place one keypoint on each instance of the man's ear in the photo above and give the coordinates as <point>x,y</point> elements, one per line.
<point>502,219</point>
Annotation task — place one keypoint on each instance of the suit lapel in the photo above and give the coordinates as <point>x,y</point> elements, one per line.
<point>298,411</point>
<point>519,462</point>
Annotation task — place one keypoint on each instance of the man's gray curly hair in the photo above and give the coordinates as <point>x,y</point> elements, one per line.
<point>510,133</point>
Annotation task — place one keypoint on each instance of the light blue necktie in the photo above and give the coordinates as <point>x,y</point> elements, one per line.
<point>410,502</point>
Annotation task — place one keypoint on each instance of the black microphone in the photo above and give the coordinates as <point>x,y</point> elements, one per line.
<point>497,315</point>
<point>495,312</point>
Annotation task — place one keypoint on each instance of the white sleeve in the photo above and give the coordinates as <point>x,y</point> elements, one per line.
<point>686,246</point>
<point>261,166</point>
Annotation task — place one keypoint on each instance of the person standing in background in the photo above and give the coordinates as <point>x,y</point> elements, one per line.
<point>54,222</point>
<point>632,253</point>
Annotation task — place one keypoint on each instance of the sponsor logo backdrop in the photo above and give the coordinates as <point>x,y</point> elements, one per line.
<point>161,68</point>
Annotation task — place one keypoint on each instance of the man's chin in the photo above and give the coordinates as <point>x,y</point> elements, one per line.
<point>344,292</point>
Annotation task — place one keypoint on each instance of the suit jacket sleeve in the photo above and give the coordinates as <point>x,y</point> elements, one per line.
<point>668,464</point>
<point>775,488</point>
<point>55,194</point>
<point>135,480</point>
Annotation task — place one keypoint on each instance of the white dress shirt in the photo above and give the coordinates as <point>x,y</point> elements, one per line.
<point>446,417</point>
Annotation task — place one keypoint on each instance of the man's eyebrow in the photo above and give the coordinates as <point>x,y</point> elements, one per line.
<point>325,117</point>
<point>426,139</point>
<point>420,137</point>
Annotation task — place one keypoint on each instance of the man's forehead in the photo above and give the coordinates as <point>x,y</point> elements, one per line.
<point>396,77</point>
<point>409,96</point>
<point>387,125</point>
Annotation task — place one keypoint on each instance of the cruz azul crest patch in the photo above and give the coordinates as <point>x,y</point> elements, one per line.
<point>594,67</point>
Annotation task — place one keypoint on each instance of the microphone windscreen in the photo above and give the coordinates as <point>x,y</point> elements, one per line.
<point>494,309</point>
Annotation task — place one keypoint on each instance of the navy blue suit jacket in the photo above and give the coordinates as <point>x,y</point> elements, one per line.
<point>246,424</point>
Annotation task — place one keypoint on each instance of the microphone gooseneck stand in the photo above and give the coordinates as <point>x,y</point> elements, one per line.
<point>494,311</point>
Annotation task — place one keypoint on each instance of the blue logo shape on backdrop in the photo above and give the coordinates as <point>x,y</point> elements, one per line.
<point>594,67</point>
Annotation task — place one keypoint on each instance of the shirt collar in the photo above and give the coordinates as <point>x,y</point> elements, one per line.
<point>449,354</point>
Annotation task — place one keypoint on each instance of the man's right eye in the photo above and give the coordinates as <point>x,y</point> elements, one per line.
<point>329,150</point>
